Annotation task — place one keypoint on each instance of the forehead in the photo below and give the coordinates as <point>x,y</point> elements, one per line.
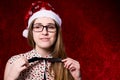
<point>44,20</point>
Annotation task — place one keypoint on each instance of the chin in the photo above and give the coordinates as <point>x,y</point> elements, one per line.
<point>45,46</point>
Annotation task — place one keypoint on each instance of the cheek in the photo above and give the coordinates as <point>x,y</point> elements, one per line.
<point>35,37</point>
<point>53,37</point>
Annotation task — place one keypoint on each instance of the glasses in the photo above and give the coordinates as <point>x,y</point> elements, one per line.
<point>38,27</point>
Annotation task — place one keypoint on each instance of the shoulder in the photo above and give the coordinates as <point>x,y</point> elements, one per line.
<point>11,61</point>
<point>27,55</point>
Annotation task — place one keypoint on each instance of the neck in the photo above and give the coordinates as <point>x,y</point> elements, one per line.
<point>42,52</point>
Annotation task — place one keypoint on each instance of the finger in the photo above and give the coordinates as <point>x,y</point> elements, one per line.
<point>24,62</point>
<point>72,68</point>
<point>67,64</point>
<point>66,59</point>
<point>23,68</point>
<point>25,59</point>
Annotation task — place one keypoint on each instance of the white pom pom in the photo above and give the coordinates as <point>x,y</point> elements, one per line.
<point>25,33</point>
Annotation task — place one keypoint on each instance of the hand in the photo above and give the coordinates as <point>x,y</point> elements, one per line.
<point>16,67</point>
<point>73,66</point>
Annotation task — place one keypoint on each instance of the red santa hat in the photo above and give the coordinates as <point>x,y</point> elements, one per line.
<point>40,9</point>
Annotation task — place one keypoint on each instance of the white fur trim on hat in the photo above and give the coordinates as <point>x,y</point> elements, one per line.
<point>25,33</point>
<point>42,13</point>
<point>45,13</point>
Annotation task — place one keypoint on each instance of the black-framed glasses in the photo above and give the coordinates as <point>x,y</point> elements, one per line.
<point>38,27</point>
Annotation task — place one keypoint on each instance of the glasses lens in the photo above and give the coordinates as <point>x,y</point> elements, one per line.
<point>39,28</point>
<point>51,28</point>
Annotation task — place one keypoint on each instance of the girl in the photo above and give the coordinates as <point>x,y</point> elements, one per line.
<point>44,35</point>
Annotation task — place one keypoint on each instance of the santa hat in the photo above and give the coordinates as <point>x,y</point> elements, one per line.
<point>40,9</point>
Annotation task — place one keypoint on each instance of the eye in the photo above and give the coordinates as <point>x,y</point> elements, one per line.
<point>37,26</point>
<point>51,26</point>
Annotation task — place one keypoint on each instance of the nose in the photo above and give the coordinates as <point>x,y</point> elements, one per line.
<point>44,31</point>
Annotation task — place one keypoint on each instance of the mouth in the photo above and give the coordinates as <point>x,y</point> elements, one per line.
<point>45,39</point>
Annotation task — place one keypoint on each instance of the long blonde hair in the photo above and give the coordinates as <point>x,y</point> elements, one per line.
<point>58,51</point>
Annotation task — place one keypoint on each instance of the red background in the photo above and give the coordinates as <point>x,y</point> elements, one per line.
<point>90,29</point>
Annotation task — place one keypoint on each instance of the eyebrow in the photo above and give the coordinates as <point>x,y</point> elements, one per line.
<point>47,23</point>
<point>52,23</point>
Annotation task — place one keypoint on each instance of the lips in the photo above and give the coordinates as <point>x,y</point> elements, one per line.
<point>45,39</point>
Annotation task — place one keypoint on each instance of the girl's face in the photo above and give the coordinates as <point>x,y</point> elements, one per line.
<point>44,32</point>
